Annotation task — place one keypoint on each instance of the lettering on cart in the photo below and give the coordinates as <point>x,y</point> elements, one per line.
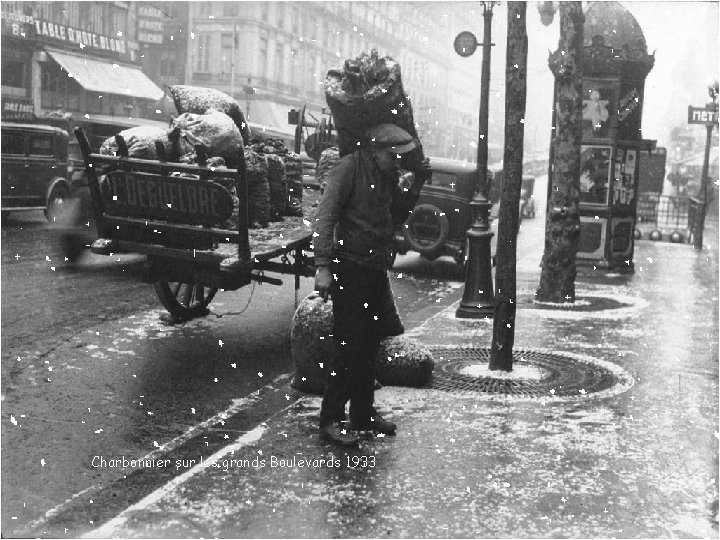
<point>188,200</point>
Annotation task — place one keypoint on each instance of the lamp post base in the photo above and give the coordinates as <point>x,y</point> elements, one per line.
<point>478,300</point>
<point>475,311</point>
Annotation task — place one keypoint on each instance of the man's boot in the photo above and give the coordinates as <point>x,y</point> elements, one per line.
<point>338,434</point>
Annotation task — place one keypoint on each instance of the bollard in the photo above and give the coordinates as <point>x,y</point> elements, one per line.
<point>478,299</point>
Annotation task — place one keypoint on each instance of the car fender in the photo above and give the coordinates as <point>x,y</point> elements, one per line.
<point>57,181</point>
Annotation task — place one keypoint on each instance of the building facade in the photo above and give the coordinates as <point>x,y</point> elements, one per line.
<point>119,58</point>
<point>273,56</point>
<point>81,58</point>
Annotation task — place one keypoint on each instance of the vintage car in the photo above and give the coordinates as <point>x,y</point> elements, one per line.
<point>527,201</point>
<point>98,129</point>
<point>36,171</point>
<point>527,187</point>
<point>442,215</point>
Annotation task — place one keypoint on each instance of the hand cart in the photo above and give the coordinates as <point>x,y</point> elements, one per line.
<point>175,213</point>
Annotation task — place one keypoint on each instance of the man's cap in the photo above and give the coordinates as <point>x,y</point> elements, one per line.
<point>391,138</point>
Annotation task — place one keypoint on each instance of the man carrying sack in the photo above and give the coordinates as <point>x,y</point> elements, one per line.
<point>353,233</point>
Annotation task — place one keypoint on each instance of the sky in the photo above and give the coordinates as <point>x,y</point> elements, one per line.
<point>682,34</point>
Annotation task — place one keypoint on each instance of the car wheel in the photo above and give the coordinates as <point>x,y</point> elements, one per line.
<point>57,204</point>
<point>426,230</point>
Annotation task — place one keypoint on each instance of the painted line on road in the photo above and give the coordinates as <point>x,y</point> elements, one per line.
<point>238,405</point>
<point>107,529</point>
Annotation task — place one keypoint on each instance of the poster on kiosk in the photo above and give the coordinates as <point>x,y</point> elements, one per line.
<point>608,191</point>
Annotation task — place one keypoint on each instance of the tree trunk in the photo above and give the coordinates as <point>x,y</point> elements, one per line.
<point>515,93</point>
<point>562,225</point>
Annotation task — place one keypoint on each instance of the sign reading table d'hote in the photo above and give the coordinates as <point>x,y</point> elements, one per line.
<point>24,26</point>
<point>177,199</point>
<point>702,115</point>
<point>17,108</point>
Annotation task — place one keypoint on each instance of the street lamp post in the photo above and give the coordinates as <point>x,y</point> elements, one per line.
<point>478,298</point>
<point>713,107</point>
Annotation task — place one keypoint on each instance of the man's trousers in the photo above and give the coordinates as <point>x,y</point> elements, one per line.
<point>363,314</point>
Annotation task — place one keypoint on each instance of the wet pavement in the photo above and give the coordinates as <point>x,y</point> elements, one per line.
<point>637,462</point>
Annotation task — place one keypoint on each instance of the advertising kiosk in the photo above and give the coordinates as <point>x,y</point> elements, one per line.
<point>615,65</point>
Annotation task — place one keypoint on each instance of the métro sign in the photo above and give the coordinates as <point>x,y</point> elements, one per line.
<point>701,115</point>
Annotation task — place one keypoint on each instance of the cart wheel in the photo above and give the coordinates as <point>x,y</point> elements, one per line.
<point>184,301</point>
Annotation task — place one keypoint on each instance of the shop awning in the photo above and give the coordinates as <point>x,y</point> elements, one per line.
<point>107,77</point>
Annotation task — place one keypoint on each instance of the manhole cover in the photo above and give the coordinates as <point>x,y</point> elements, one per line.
<point>537,374</point>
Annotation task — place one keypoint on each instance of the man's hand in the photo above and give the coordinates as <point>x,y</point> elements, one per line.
<point>323,280</point>
<point>421,176</point>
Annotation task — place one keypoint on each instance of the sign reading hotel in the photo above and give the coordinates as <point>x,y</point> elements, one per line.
<point>29,27</point>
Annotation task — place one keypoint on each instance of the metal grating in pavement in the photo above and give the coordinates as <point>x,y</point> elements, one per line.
<point>583,304</point>
<point>562,376</point>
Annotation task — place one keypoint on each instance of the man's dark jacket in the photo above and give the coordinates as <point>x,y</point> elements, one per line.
<point>359,211</point>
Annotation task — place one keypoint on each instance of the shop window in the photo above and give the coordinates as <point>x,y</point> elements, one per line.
<point>94,103</point>
<point>58,91</point>
<point>53,85</point>
<point>13,74</point>
<point>13,143</point>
